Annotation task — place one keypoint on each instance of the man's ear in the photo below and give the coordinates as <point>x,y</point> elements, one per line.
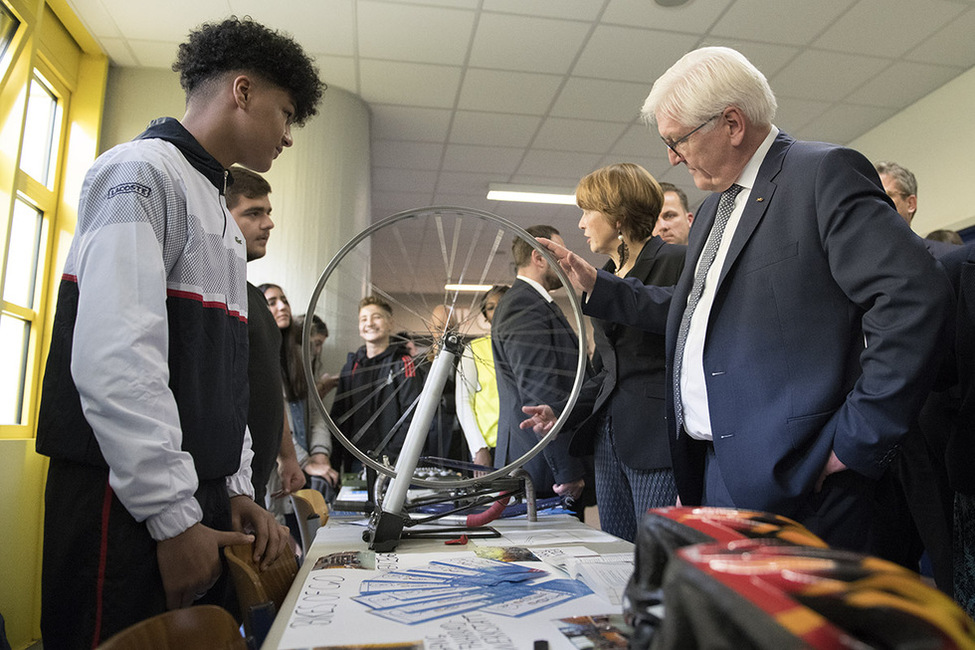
<point>243,89</point>
<point>538,259</point>
<point>690,217</point>
<point>912,204</point>
<point>734,120</point>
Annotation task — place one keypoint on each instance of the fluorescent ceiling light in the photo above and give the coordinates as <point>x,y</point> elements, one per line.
<point>471,288</point>
<point>531,194</point>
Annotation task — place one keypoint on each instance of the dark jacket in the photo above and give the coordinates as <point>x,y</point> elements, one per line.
<point>536,357</point>
<point>374,400</point>
<point>631,379</point>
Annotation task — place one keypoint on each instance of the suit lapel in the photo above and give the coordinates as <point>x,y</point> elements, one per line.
<point>758,201</point>
<point>700,230</point>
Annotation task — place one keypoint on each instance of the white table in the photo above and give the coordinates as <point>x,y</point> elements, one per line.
<point>334,616</point>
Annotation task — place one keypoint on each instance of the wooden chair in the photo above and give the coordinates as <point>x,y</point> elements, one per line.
<point>259,594</point>
<point>312,513</point>
<point>203,627</point>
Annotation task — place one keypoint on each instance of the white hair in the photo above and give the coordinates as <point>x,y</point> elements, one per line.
<point>706,81</point>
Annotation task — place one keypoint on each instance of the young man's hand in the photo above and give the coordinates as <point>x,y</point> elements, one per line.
<point>270,537</point>
<point>321,465</point>
<point>190,562</point>
<point>482,457</point>
<point>292,478</point>
<point>326,384</point>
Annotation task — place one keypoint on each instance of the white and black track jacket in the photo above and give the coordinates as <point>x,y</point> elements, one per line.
<point>147,372</point>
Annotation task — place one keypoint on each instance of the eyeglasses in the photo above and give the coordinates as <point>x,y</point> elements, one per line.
<point>673,144</point>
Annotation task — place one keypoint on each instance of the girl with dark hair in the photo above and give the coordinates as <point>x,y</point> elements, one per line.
<point>312,440</point>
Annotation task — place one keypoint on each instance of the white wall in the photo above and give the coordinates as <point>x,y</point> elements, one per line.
<point>933,138</point>
<point>320,189</point>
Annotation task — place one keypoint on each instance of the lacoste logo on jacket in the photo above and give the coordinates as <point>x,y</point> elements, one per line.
<point>129,188</point>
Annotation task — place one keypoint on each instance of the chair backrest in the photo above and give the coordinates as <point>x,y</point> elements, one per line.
<point>257,589</point>
<point>312,513</point>
<point>204,627</point>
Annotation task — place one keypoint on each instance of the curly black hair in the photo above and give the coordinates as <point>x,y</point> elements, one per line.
<point>242,44</point>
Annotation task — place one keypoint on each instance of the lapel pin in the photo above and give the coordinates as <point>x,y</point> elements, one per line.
<point>760,199</point>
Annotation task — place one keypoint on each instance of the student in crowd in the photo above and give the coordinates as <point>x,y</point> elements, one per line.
<point>445,437</point>
<point>477,387</point>
<point>143,410</point>
<point>249,202</point>
<point>304,416</point>
<point>624,426</point>
<point>377,387</point>
<point>309,435</point>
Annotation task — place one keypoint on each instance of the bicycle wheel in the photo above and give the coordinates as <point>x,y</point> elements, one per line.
<point>374,416</point>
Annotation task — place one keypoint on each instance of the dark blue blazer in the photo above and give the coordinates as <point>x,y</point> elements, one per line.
<point>823,332</point>
<point>960,267</point>
<point>631,378</point>
<point>535,360</point>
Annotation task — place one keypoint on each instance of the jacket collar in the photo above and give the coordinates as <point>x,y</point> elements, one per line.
<point>170,130</point>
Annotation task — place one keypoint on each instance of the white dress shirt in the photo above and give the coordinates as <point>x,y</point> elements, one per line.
<point>693,388</point>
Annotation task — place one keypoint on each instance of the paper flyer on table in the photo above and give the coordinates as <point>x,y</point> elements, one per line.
<point>455,601</point>
<point>547,536</point>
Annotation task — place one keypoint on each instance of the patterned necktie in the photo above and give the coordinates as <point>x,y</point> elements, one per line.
<point>726,206</point>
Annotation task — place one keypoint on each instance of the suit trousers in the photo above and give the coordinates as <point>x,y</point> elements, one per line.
<point>841,513</point>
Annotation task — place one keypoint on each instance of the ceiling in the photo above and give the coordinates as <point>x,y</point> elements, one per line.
<point>468,92</point>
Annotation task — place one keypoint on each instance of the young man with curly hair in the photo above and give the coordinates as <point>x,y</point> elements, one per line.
<point>144,403</point>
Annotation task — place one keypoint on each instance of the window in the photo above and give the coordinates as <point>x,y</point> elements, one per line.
<point>40,131</point>
<point>52,90</point>
<point>8,27</point>
<point>25,244</point>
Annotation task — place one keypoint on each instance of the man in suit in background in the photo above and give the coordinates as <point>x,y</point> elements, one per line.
<point>901,186</point>
<point>535,356</point>
<point>674,223</point>
<point>802,334</point>
<point>915,500</point>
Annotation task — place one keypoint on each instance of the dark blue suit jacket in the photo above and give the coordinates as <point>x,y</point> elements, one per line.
<point>819,266</point>
<point>960,266</point>
<point>535,359</point>
<point>631,378</point>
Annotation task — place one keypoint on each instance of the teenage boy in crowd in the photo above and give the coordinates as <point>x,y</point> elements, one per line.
<point>145,394</point>
<point>248,200</point>
<point>377,387</point>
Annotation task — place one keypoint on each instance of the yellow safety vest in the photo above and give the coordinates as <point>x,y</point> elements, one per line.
<point>486,405</point>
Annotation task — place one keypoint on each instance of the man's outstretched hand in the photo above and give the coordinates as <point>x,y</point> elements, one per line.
<point>581,273</point>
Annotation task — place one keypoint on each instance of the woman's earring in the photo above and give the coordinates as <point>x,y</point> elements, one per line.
<point>623,251</point>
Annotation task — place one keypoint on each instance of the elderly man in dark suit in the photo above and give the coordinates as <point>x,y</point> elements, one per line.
<point>802,334</point>
<point>536,356</point>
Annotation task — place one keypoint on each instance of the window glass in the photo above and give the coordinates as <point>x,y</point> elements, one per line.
<point>40,130</point>
<point>23,255</point>
<point>14,336</point>
<point>8,27</point>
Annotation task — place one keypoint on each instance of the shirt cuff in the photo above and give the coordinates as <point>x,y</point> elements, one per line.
<point>175,519</point>
<point>240,486</point>
<point>321,449</point>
